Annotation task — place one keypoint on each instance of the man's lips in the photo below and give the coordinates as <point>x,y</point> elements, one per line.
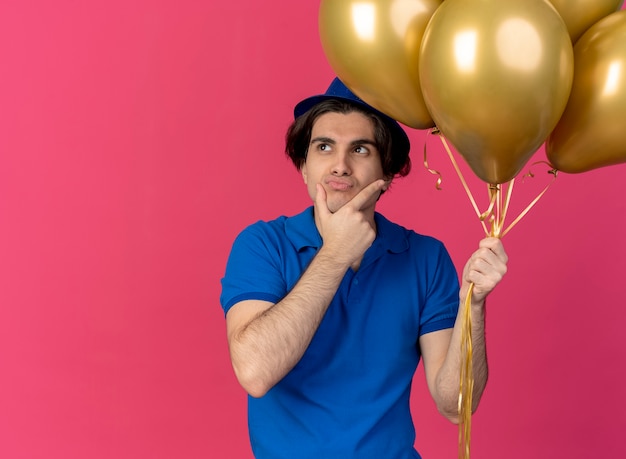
<point>338,185</point>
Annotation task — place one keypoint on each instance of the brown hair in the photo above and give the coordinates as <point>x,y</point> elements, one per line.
<point>394,150</point>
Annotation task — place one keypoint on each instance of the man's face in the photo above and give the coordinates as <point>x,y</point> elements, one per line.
<point>342,157</point>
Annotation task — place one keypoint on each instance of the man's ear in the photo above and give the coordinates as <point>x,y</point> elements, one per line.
<point>303,171</point>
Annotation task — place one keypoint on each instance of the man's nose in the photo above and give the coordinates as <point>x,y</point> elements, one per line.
<point>341,165</point>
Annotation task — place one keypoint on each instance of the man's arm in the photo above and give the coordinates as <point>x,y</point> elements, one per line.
<point>441,350</point>
<point>267,340</point>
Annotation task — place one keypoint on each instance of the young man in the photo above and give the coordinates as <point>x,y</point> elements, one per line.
<point>328,312</point>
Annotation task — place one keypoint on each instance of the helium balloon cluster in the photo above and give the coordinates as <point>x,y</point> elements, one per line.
<point>498,78</point>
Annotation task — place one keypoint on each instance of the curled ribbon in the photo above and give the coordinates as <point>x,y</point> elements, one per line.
<point>432,171</point>
<point>495,215</point>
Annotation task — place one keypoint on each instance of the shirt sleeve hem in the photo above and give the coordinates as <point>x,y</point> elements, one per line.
<point>250,296</point>
<point>437,325</point>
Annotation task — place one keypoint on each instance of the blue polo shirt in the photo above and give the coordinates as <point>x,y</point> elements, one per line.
<point>348,397</point>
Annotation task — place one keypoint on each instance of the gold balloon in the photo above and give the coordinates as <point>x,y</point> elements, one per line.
<point>579,15</point>
<point>496,75</point>
<point>373,47</point>
<point>592,131</point>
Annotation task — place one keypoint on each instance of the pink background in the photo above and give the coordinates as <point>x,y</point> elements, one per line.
<point>137,138</point>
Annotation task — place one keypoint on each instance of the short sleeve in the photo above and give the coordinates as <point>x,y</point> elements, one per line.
<point>252,271</point>
<point>440,309</point>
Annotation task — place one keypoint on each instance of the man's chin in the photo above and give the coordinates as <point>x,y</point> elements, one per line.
<point>336,204</point>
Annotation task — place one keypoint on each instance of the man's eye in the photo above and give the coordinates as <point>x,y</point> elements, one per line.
<point>324,147</point>
<point>362,150</point>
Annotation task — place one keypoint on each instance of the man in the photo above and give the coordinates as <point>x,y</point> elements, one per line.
<point>328,312</point>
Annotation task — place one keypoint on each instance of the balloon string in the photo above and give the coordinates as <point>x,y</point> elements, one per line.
<point>481,217</point>
<point>554,172</point>
<point>507,201</point>
<point>466,382</point>
<point>489,212</point>
<point>496,213</point>
<point>432,171</point>
<point>497,217</point>
<point>496,220</point>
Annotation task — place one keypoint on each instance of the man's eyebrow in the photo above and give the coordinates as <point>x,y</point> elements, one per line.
<point>363,142</point>
<point>353,143</point>
<point>323,140</point>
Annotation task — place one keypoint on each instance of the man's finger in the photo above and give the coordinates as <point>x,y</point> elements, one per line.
<point>321,205</point>
<point>495,245</point>
<point>367,194</point>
